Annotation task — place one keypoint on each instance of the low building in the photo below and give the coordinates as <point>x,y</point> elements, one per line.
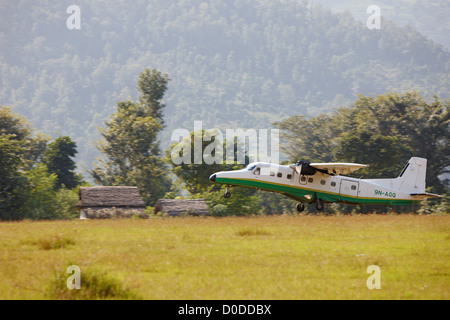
<point>177,207</point>
<point>110,202</point>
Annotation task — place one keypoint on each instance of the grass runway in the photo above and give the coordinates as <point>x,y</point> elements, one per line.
<point>267,257</point>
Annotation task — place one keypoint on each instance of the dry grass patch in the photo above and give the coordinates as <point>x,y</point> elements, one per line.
<point>54,242</point>
<point>244,232</point>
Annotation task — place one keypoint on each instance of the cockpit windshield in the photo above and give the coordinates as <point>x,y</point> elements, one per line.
<point>251,166</point>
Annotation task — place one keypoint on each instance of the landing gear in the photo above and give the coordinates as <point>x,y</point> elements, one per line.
<point>227,194</point>
<point>319,205</point>
<point>300,207</point>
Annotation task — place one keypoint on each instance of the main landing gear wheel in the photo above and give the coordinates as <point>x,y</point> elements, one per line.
<point>300,207</point>
<point>319,205</point>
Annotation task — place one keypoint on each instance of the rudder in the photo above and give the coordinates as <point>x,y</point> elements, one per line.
<point>412,177</point>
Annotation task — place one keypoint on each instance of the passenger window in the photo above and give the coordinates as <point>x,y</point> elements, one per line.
<point>333,184</point>
<point>310,180</point>
<point>279,174</point>
<point>303,179</point>
<point>289,176</point>
<point>322,182</point>
<point>353,187</point>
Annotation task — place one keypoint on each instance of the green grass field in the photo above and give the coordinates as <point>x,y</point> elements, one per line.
<point>273,257</point>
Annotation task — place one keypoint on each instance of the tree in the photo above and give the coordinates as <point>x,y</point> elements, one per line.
<point>152,86</point>
<point>40,198</point>
<point>131,146</point>
<point>388,130</point>
<point>17,128</point>
<point>26,186</point>
<point>12,180</point>
<point>58,159</point>
<point>312,140</point>
<point>194,177</point>
<point>19,152</point>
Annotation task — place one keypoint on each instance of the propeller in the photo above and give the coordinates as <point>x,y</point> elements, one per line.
<point>296,168</point>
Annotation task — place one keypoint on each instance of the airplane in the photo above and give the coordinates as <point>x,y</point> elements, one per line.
<point>321,183</point>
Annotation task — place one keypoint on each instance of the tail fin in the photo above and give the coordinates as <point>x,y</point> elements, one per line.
<point>412,178</point>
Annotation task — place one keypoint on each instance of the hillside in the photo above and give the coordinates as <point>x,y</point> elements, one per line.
<point>236,63</point>
<point>429,17</point>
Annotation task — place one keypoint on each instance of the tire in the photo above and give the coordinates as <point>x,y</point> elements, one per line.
<point>300,207</point>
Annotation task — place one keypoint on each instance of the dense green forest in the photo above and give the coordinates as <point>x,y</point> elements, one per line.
<point>232,63</point>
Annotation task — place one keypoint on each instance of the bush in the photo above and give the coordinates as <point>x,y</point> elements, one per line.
<point>65,201</point>
<point>95,285</point>
<point>40,203</point>
<point>435,206</point>
<point>243,202</point>
<point>54,242</point>
<point>219,210</point>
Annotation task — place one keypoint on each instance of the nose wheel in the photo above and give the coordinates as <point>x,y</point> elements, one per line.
<point>227,194</point>
<point>319,205</point>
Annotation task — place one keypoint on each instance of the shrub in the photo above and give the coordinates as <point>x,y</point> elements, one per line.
<point>95,285</point>
<point>54,242</point>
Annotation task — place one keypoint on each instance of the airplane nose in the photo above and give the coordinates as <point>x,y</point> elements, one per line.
<point>213,177</point>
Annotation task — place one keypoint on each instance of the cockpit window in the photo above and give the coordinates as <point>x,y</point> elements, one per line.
<point>250,167</point>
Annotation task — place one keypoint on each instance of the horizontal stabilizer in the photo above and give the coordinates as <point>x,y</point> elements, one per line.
<point>425,195</point>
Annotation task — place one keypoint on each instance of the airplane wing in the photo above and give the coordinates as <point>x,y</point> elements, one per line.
<point>338,167</point>
<point>334,168</point>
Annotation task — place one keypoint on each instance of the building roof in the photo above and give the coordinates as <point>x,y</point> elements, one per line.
<point>110,197</point>
<point>175,207</point>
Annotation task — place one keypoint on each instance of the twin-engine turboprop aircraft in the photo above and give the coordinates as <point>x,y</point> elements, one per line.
<point>325,182</point>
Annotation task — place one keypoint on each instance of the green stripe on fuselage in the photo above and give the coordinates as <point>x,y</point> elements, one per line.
<point>299,193</point>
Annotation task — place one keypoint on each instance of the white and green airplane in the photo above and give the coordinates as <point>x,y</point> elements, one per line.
<point>326,182</point>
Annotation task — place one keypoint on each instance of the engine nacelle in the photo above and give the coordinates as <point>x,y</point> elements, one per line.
<point>304,168</point>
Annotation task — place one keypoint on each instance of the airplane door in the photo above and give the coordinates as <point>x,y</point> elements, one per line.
<point>349,188</point>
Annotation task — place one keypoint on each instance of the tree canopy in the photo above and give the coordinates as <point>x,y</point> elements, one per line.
<point>58,158</point>
<point>27,188</point>
<point>130,142</point>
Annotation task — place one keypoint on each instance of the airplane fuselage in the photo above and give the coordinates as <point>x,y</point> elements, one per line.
<point>320,186</point>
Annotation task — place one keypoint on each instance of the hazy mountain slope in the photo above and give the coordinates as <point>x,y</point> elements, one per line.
<point>429,17</point>
<point>233,64</point>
